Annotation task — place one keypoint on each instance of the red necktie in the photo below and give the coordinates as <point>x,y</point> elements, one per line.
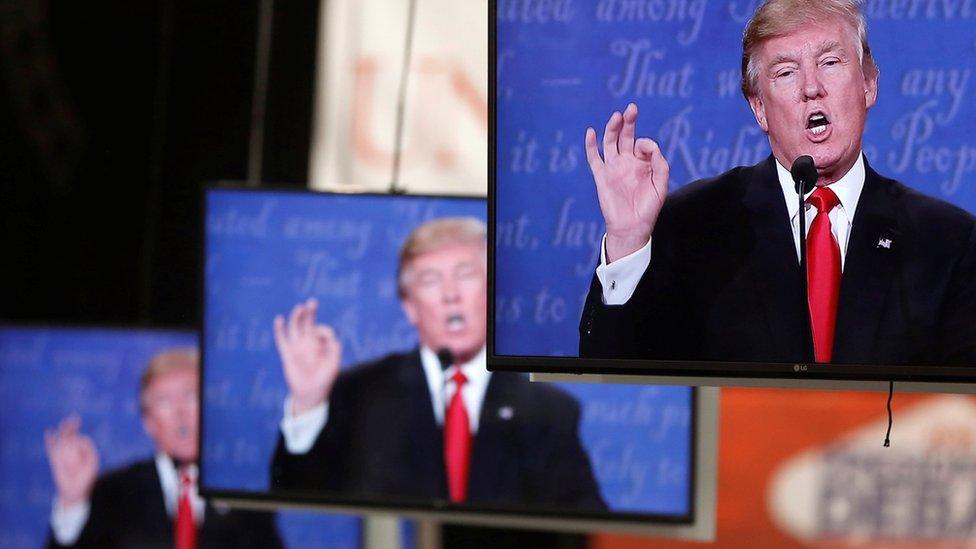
<point>823,274</point>
<point>186,530</point>
<point>457,442</point>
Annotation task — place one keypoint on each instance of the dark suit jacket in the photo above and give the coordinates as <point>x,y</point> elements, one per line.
<point>382,440</point>
<point>127,511</point>
<point>724,282</point>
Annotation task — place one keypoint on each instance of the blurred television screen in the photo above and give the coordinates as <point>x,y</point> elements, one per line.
<point>386,282</point>
<point>48,374</point>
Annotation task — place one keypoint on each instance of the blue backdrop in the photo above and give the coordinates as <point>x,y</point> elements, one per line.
<point>48,374</point>
<point>266,251</point>
<point>568,64</point>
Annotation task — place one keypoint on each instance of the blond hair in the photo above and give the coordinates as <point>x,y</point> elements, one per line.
<point>164,362</point>
<point>435,235</point>
<point>779,17</point>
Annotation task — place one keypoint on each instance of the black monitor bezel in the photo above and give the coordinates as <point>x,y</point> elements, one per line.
<point>699,372</point>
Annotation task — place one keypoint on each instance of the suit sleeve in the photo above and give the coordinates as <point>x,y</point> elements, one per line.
<point>643,327</point>
<point>259,530</point>
<point>958,333</point>
<point>565,474</point>
<point>608,331</point>
<point>97,530</point>
<point>322,467</point>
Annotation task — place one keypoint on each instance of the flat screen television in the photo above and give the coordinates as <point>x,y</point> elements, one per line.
<point>50,373</point>
<point>566,456</point>
<point>721,299</point>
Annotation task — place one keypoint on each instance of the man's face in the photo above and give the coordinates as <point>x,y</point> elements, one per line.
<point>446,297</point>
<point>812,97</point>
<point>171,413</point>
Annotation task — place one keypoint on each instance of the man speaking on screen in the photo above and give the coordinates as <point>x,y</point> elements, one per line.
<point>153,502</point>
<point>712,271</point>
<point>431,423</point>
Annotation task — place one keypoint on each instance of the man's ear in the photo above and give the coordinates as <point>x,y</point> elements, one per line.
<point>409,309</point>
<point>870,91</point>
<point>759,111</point>
<point>149,425</point>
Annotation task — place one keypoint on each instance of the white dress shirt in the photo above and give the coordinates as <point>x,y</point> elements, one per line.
<point>169,479</point>
<point>68,522</point>
<point>299,432</point>
<point>620,278</point>
<point>442,388</point>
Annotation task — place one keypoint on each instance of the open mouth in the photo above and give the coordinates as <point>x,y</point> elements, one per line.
<point>455,322</point>
<point>817,123</point>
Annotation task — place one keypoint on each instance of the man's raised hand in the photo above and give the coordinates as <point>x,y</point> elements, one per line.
<point>310,356</point>
<point>631,182</point>
<point>73,459</point>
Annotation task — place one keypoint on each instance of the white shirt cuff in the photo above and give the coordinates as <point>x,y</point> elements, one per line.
<point>68,522</point>
<point>301,431</point>
<point>620,278</point>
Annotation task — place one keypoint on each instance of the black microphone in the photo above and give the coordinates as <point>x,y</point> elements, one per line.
<point>446,357</point>
<point>804,174</point>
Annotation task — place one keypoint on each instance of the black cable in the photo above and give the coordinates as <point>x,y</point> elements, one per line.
<point>891,391</point>
<point>259,94</point>
<point>402,99</point>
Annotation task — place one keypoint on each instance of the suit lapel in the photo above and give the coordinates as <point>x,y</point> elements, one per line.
<point>873,253</point>
<point>426,438</point>
<point>493,440</point>
<point>777,277</point>
<point>154,516</point>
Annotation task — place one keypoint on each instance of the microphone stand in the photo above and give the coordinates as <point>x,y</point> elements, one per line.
<point>803,233</point>
<point>803,170</point>
<point>803,262</point>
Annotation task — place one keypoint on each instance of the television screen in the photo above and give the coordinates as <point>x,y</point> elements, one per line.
<point>344,365</point>
<point>643,194</point>
<point>84,384</point>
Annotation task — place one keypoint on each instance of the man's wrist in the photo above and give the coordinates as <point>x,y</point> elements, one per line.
<point>300,431</point>
<point>301,406</point>
<point>67,521</point>
<point>619,280</point>
<point>67,503</point>
<point>622,245</point>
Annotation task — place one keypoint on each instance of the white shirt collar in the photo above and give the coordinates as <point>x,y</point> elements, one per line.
<point>169,481</point>
<point>438,382</point>
<point>847,188</point>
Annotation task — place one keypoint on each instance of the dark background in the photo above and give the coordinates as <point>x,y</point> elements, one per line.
<point>112,117</point>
